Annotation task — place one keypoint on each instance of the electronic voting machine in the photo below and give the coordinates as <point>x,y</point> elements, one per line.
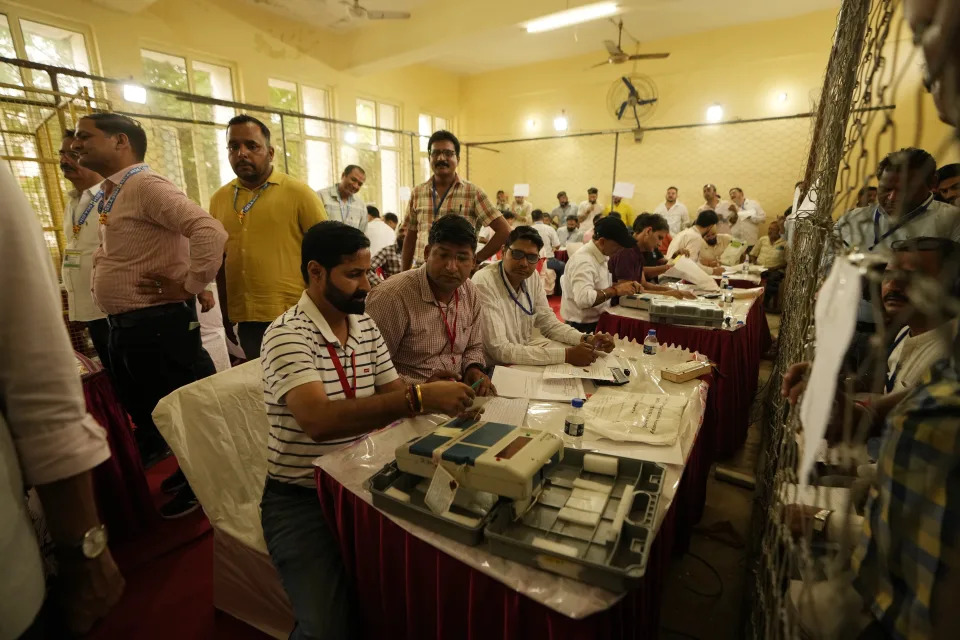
<point>484,456</point>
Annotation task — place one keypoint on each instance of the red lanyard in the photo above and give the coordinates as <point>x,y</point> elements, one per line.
<point>451,334</point>
<point>349,391</point>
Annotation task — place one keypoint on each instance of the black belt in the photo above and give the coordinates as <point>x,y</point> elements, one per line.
<point>138,316</point>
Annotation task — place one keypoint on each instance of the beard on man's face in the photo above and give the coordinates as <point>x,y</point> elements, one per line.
<point>711,241</point>
<point>354,303</point>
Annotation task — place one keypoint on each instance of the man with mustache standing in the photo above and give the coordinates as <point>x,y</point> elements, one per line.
<point>266,214</point>
<point>327,382</point>
<point>430,317</point>
<point>445,194</point>
<point>158,251</point>
<point>82,234</point>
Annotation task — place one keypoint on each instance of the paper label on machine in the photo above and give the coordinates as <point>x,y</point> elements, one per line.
<point>442,490</point>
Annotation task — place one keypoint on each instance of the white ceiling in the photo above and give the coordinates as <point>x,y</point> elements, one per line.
<point>473,36</point>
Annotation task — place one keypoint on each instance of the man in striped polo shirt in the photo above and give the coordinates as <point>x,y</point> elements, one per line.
<point>328,381</point>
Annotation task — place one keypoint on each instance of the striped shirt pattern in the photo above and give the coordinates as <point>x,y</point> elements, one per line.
<point>295,353</point>
<point>153,227</point>
<point>465,199</point>
<point>406,311</point>
<point>908,546</point>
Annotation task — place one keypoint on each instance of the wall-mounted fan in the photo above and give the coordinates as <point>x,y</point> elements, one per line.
<point>632,96</point>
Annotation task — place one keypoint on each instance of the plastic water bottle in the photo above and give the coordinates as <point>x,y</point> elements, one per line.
<point>650,343</point>
<point>724,282</point>
<point>573,424</point>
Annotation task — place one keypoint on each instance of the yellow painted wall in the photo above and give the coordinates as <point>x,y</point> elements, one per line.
<point>742,68</point>
<point>256,44</point>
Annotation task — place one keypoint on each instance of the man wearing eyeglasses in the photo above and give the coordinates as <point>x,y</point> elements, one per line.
<point>266,214</point>
<point>513,302</point>
<point>445,194</point>
<point>82,234</point>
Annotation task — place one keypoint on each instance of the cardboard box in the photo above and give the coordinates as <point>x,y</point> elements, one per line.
<point>685,371</point>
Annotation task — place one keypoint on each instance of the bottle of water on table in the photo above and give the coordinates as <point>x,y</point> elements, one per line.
<point>650,343</point>
<point>573,424</point>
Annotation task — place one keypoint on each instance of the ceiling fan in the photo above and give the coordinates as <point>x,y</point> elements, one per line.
<point>619,56</point>
<point>354,10</point>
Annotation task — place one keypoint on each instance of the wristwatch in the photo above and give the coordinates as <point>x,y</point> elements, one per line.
<point>89,547</point>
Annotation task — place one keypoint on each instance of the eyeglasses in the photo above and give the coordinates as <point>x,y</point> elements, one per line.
<point>446,153</point>
<point>517,254</point>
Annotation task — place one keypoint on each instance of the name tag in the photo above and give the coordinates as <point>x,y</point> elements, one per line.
<point>71,259</point>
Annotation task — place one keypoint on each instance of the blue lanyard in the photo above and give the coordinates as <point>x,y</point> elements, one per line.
<point>86,212</point>
<point>246,208</point>
<point>906,220</point>
<point>104,209</point>
<point>434,194</point>
<point>892,378</point>
<point>515,299</point>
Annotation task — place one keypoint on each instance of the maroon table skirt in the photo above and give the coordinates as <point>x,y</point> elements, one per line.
<point>561,255</point>
<point>123,497</point>
<point>737,356</point>
<point>409,589</point>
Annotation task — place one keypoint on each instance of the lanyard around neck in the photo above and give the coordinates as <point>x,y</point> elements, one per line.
<point>350,391</point>
<point>247,207</point>
<point>451,333</point>
<point>516,299</point>
<point>877,238</point>
<point>77,223</point>
<point>434,195</point>
<point>105,208</point>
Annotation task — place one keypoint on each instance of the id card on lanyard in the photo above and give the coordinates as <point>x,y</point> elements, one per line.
<point>434,195</point>
<point>451,332</point>
<point>247,207</point>
<point>349,390</point>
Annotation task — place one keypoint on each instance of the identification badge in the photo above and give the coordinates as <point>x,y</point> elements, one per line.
<point>71,259</point>
<point>441,491</point>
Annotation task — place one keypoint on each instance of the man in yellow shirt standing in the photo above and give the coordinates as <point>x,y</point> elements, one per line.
<point>623,208</point>
<point>266,213</point>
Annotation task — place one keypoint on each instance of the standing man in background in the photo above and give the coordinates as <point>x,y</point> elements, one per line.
<point>502,204</point>
<point>560,214</point>
<point>522,209</point>
<point>444,194</point>
<point>341,201</point>
<point>82,233</point>
<point>588,210</point>
<point>266,213</point>
<point>723,208</point>
<point>158,250</point>
<point>674,212</point>
<point>623,208</point>
<point>747,219</point>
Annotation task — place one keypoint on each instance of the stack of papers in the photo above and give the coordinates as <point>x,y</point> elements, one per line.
<point>634,417</point>
<point>599,370</point>
<point>514,383</point>
<point>512,411</point>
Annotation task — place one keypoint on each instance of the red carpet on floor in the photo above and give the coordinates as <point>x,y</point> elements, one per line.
<point>169,574</point>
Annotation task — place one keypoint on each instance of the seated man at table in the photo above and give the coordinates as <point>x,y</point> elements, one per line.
<point>327,382</point>
<point>690,241</point>
<point>430,316</point>
<point>630,264</point>
<point>571,232</point>
<point>513,302</point>
<point>771,252</point>
<point>587,283</point>
<point>713,248</point>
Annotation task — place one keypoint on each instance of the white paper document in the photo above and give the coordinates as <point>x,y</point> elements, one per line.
<point>836,318</point>
<point>599,370</point>
<point>513,383</point>
<point>691,272</point>
<point>634,417</point>
<point>512,411</point>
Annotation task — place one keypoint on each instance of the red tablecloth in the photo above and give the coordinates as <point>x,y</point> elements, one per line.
<point>408,589</point>
<point>561,255</point>
<point>123,497</point>
<point>737,356</point>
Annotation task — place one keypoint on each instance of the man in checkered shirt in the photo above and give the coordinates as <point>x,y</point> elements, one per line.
<point>446,193</point>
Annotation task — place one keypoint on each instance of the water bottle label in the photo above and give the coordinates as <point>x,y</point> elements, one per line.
<point>649,349</point>
<point>574,429</point>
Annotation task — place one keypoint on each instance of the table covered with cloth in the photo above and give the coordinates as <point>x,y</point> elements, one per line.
<point>123,497</point>
<point>412,583</point>
<point>736,352</point>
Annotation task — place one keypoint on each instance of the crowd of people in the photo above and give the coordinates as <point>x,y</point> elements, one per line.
<point>359,320</point>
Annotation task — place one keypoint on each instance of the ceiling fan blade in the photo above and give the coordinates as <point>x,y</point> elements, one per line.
<point>600,64</point>
<point>612,47</point>
<point>643,102</point>
<point>623,107</point>
<point>633,91</point>
<point>635,116</point>
<point>649,56</point>
<point>388,15</point>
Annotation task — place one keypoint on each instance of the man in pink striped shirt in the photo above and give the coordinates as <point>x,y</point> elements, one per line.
<point>158,250</point>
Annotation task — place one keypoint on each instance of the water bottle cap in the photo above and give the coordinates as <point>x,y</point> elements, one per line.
<point>652,332</point>
<point>577,403</point>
